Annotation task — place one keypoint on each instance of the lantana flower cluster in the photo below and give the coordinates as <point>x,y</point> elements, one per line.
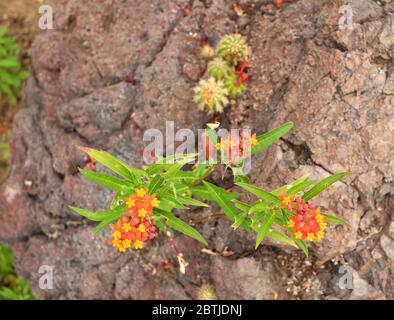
<point>308,223</point>
<point>137,226</point>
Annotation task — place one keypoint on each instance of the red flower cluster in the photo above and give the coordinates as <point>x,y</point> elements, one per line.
<point>136,226</point>
<point>308,223</point>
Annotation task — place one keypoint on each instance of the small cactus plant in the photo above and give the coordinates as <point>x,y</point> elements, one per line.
<point>234,86</point>
<point>211,95</point>
<point>234,49</point>
<point>228,73</point>
<point>219,69</point>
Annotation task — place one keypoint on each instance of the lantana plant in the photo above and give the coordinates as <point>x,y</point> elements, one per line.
<point>150,200</point>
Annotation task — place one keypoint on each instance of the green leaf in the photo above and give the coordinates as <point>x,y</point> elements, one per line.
<point>258,206</point>
<point>157,168</point>
<point>286,187</point>
<point>203,193</point>
<point>241,178</point>
<point>191,202</point>
<point>335,219</point>
<point>265,195</point>
<point>241,205</point>
<point>100,215</point>
<point>176,167</point>
<point>269,138</point>
<point>105,180</point>
<point>181,226</point>
<point>322,185</point>
<point>301,186</point>
<point>10,63</point>
<point>155,184</point>
<point>278,236</point>
<point>116,165</point>
<point>226,206</point>
<point>239,220</point>
<point>266,224</point>
<point>302,245</point>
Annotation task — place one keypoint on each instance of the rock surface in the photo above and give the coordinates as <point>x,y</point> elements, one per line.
<point>107,73</point>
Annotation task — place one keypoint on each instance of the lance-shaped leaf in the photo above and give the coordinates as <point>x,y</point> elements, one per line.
<point>265,195</point>
<point>203,193</point>
<point>115,164</point>
<point>105,216</point>
<point>335,219</point>
<point>286,187</point>
<point>239,220</point>
<point>264,226</point>
<point>155,184</point>
<point>105,180</point>
<point>302,245</point>
<point>181,226</point>
<point>269,138</point>
<point>188,201</point>
<point>278,236</point>
<point>241,205</point>
<point>322,185</point>
<point>301,186</point>
<point>217,195</point>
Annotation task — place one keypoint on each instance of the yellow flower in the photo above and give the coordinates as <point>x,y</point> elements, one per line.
<point>286,200</point>
<point>219,146</point>
<point>142,213</point>
<point>155,202</point>
<point>310,236</point>
<point>290,224</point>
<point>253,140</point>
<point>130,203</point>
<point>116,243</point>
<point>140,192</point>
<point>116,234</point>
<point>126,243</point>
<point>319,235</point>
<point>323,226</point>
<point>298,235</point>
<point>141,228</point>
<point>126,227</point>
<point>138,244</point>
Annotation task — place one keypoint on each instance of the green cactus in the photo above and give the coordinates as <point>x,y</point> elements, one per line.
<point>219,69</point>
<point>234,86</point>
<point>211,95</point>
<point>234,49</point>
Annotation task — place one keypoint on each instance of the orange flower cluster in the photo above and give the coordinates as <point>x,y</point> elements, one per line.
<point>233,146</point>
<point>136,226</point>
<point>307,223</point>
